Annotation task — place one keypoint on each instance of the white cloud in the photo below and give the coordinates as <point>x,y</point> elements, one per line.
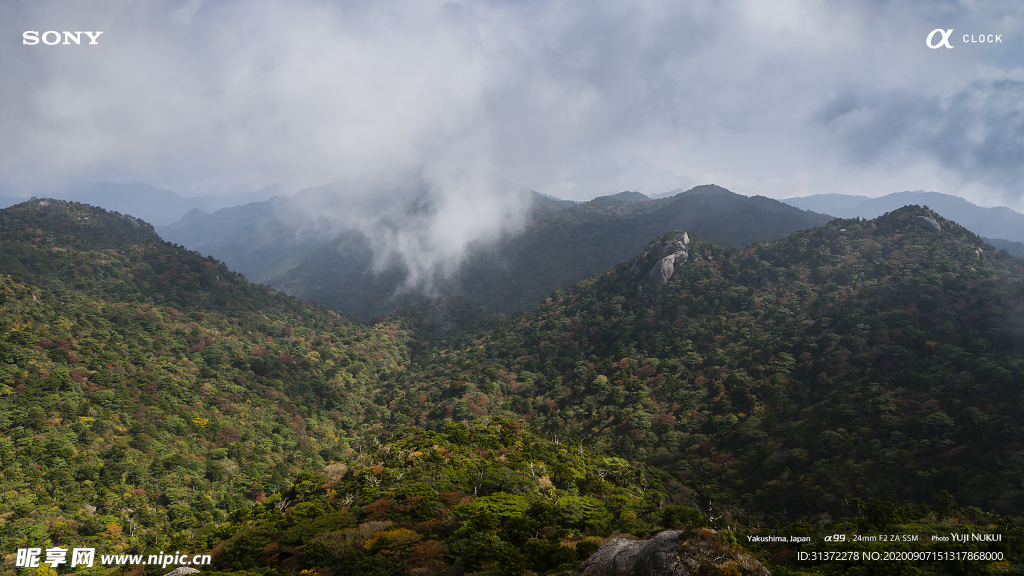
<point>573,99</point>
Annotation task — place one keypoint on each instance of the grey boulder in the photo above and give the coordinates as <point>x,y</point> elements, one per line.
<point>671,553</point>
<point>929,223</point>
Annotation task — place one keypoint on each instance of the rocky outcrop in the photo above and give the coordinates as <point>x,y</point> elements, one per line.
<point>182,571</point>
<point>663,270</point>
<point>929,223</point>
<point>672,553</point>
<point>616,557</point>
<point>130,220</point>
<point>669,252</point>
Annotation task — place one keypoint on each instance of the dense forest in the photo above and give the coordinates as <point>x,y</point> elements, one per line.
<point>862,376</point>
<point>875,359</point>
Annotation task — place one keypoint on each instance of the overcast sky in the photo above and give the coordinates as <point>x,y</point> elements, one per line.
<point>570,98</point>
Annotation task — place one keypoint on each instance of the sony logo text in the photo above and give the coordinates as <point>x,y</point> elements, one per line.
<point>52,37</point>
<point>968,38</point>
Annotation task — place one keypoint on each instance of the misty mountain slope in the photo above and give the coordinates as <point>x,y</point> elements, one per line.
<point>838,205</point>
<point>550,254</point>
<point>264,239</point>
<point>868,359</point>
<point>668,194</point>
<point>339,274</point>
<point>544,205</point>
<point>557,253</point>
<point>1015,248</point>
<point>260,239</point>
<point>999,222</point>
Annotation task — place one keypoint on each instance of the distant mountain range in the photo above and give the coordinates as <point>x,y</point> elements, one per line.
<point>667,194</point>
<point>999,223</point>
<point>554,252</point>
<point>300,244</point>
<point>1015,248</point>
<point>259,239</point>
<point>154,205</point>
<point>290,243</point>
<point>264,239</point>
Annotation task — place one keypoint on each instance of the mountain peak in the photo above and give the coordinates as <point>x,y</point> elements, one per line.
<point>620,198</point>
<point>72,224</point>
<point>666,251</point>
<point>708,190</point>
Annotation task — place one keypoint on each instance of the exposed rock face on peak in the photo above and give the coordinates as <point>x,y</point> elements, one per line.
<point>929,223</point>
<point>663,270</point>
<point>672,250</point>
<point>671,553</point>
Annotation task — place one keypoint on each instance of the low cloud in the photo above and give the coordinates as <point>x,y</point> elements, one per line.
<point>567,98</point>
<point>435,233</point>
<point>423,220</point>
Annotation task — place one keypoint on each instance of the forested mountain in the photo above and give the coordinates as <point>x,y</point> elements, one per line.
<point>151,399</point>
<point>139,375</point>
<point>876,359</point>
<point>552,253</point>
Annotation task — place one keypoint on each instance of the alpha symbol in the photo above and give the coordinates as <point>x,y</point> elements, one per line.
<point>945,38</point>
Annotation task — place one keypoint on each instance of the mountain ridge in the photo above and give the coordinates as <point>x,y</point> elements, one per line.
<point>999,222</point>
<point>553,252</point>
<point>150,203</point>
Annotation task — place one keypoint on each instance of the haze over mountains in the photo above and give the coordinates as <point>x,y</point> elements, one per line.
<point>154,205</point>
<point>264,239</point>
<point>550,254</point>
<point>280,242</point>
<point>341,245</point>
